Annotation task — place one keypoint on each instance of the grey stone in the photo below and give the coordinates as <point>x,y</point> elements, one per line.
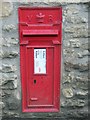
<point>81,85</point>
<point>69,1</point>
<point>74,68</point>
<point>17,95</point>
<point>1,93</point>
<point>68,92</point>
<point>13,41</point>
<point>73,103</point>
<point>84,53</point>
<point>8,77</point>
<point>71,10</point>
<point>83,67</point>
<point>10,85</point>
<point>8,68</point>
<point>80,55</point>
<point>69,65</point>
<point>82,78</point>
<point>2,105</point>
<point>7,8</point>
<point>8,42</point>
<point>80,103</point>
<point>6,93</point>
<point>74,43</point>
<point>74,64</point>
<point>0,54</point>
<point>76,19</point>
<point>77,31</point>
<point>85,46</point>
<point>13,103</point>
<point>9,54</point>
<point>8,113</point>
<point>68,78</point>
<point>45,1</point>
<point>9,28</point>
<point>69,53</point>
<point>82,93</point>
<point>59,1</point>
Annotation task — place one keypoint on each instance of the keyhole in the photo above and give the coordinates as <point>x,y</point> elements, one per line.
<point>34,81</point>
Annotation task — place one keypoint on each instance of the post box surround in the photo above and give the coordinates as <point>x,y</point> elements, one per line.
<point>40,33</point>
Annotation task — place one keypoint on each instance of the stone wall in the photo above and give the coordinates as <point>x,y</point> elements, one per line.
<point>75,53</point>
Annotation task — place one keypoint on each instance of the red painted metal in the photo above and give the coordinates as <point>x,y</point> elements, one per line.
<point>40,29</point>
<point>40,32</point>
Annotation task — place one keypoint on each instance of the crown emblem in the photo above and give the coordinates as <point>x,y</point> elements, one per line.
<point>40,17</point>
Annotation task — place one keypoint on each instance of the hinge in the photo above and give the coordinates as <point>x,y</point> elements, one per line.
<point>23,23</point>
<point>24,43</point>
<point>57,23</point>
<point>56,42</point>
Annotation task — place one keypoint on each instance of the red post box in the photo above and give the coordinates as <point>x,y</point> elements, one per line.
<point>40,31</point>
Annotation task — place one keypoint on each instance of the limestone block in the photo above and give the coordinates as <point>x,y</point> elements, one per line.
<point>10,85</point>
<point>8,68</point>
<point>85,46</point>
<point>75,64</point>
<point>83,53</point>
<point>68,78</point>
<point>83,85</point>
<point>70,1</point>
<point>76,19</point>
<point>6,93</point>
<point>9,54</point>
<point>6,8</point>
<point>1,53</point>
<point>83,67</point>
<point>9,28</point>
<point>61,1</point>
<point>82,93</point>
<point>80,103</point>
<point>68,92</point>
<point>45,1</point>
<point>11,113</point>
<point>73,103</point>
<point>7,78</point>
<point>8,42</point>
<point>17,95</point>
<point>69,52</point>
<point>2,105</point>
<point>75,43</point>
<point>82,78</point>
<point>77,31</point>
<point>13,103</point>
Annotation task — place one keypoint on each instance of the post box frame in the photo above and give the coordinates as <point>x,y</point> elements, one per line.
<point>25,46</point>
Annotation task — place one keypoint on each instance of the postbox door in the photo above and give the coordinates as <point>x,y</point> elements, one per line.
<point>40,79</point>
